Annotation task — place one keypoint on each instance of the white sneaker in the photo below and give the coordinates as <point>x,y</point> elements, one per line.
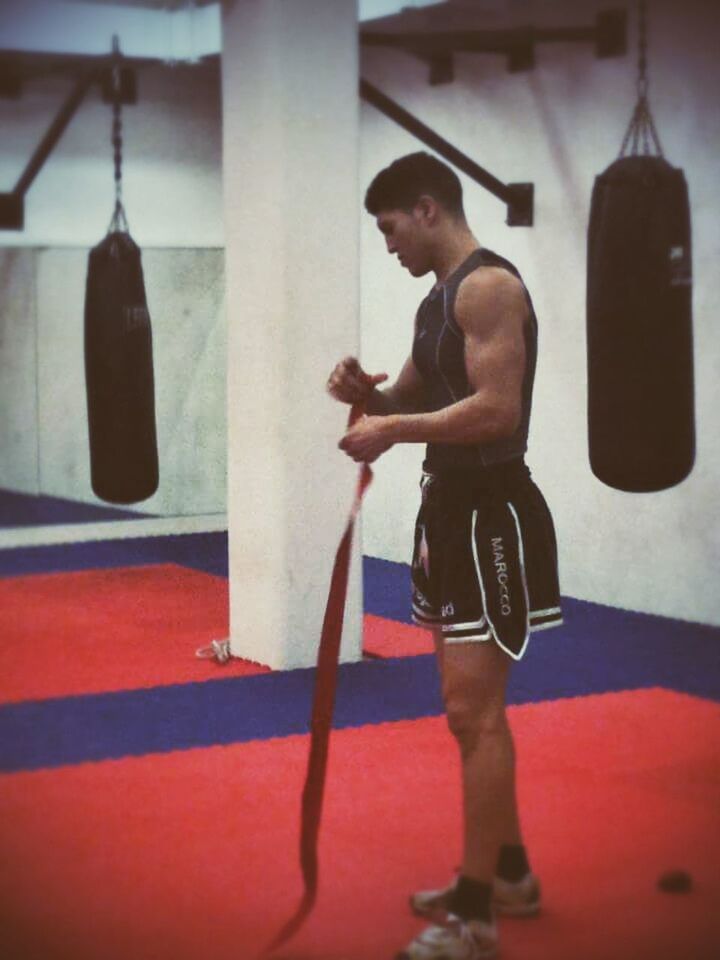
<point>521,899</point>
<point>459,940</point>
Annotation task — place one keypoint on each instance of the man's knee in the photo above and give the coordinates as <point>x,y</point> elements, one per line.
<point>469,720</point>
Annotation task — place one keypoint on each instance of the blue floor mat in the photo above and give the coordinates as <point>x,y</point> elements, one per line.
<point>29,510</point>
<point>199,551</point>
<point>598,649</point>
<point>589,655</point>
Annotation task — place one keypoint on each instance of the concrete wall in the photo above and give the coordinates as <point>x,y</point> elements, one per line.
<point>43,419</point>
<point>559,126</point>
<point>290,150</point>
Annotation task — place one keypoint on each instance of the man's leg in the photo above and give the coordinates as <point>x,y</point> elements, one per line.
<point>474,677</point>
<point>474,682</point>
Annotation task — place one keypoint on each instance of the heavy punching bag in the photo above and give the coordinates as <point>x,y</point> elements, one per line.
<point>119,363</point>
<point>639,314</point>
<point>119,374</point>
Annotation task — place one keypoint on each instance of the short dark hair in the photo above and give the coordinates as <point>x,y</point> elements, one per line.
<point>400,186</point>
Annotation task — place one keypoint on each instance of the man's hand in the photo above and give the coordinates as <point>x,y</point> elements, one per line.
<point>367,439</point>
<point>349,383</point>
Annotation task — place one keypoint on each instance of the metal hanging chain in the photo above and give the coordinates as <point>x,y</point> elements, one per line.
<point>641,131</point>
<point>642,80</point>
<point>119,220</point>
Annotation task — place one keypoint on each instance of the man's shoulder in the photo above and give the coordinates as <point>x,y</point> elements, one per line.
<point>490,279</point>
<point>487,288</point>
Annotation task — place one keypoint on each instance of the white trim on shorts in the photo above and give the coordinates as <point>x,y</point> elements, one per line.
<point>544,613</point>
<point>475,638</point>
<point>556,618</point>
<point>534,628</point>
<point>450,627</point>
<point>473,547</point>
<point>420,616</point>
<point>521,556</point>
<point>523,577</point>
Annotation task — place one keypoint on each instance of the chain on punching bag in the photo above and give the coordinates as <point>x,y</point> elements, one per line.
<point>639,312</point>
<point>118,356</point>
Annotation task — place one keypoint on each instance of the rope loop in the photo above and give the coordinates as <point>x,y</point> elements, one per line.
<point>641,135</point>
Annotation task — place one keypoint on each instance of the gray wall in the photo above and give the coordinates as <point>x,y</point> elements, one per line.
<point>172,188</point>
<point>558,126</point>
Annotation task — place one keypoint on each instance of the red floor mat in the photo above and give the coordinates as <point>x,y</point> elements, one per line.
<point>94,631</point>
<point>193,855</point>
<point>388,638</point>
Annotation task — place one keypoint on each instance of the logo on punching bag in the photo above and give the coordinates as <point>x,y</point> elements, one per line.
<point>680,273</point>
<point>134,318</point>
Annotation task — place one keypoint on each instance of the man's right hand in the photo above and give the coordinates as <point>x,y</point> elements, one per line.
<point>349,383</point>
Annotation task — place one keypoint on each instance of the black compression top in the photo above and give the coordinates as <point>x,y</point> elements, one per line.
<point>439,355</point>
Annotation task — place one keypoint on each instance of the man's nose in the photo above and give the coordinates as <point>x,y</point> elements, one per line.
<point>390,243</point>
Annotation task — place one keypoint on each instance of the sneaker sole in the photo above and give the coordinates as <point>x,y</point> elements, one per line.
<point>488,953</point>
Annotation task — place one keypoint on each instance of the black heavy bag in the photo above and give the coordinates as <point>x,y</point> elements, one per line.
<point>119,373</point>
<point>641,421</point>
<point>639,326</point>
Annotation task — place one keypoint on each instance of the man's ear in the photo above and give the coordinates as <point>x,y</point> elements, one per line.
<point>427,209</point>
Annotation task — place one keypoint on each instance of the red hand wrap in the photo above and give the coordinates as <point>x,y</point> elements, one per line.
<point>322,712</point>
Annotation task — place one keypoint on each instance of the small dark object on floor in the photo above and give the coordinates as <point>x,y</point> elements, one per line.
<point>675,881</point>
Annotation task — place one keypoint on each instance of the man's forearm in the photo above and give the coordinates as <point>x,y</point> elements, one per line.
<point>465,422</point>
<point>384,403</point>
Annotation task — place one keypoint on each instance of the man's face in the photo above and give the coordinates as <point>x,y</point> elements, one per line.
<point>406,236</point>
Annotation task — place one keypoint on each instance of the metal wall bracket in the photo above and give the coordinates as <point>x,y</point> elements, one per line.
<point>517,196</point>
<point>12,211</point>
<point>520,206</point>
<point>12,205</point>
<point>10,82</point>
<point>608,35</point>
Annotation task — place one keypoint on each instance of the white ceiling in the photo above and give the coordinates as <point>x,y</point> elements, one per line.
<point>367,9</point>
<point>185,30</point>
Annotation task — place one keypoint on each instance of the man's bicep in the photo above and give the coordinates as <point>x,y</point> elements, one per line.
<point>494,317</point>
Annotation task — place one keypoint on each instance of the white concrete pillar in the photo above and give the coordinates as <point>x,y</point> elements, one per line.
<point>290,162</point>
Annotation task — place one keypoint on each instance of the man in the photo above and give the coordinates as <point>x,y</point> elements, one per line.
<point>484,566</point>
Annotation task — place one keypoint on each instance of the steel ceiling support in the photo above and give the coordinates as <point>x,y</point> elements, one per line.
<point>437,47</point>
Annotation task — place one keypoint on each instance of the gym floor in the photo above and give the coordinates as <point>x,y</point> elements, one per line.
<point>149,800</point>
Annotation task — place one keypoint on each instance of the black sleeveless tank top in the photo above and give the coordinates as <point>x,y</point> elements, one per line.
<point>439,355</point>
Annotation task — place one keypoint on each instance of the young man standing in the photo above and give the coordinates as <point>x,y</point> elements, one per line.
<point>484,566</point>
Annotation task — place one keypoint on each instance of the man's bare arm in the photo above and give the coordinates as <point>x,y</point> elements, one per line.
<point>406,395</point>
<point>492,310</point>
<point>350,384</point>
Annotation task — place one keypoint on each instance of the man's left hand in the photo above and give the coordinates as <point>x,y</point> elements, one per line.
<point>367,439</point>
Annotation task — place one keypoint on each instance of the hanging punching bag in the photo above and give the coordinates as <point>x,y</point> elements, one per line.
<point>119,374</point>
<point>639,316</point>
<point>118,357</point>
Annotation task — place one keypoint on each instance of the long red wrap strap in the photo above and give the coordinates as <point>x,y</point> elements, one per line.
<point>322,714</point>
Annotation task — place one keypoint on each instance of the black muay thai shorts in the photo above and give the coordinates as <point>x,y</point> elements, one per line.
<point>485,563</point>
